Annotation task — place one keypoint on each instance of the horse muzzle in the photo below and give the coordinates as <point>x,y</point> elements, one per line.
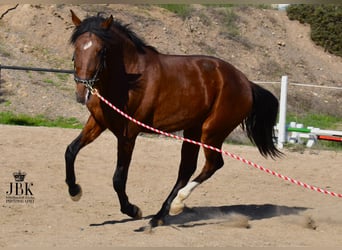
<point>83,96</point>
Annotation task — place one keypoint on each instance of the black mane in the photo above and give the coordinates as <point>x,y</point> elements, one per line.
<point>93,24</point>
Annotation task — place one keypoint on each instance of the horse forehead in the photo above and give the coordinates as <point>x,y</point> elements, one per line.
<point>87,45</point>
<point>87,41</point>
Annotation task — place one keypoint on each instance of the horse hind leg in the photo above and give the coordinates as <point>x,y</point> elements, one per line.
<point>208,170</point>
<point>214,161</point>
<point>187,167</point>
<point>89,133</point>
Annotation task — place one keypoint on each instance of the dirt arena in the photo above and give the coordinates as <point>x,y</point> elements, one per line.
<point>238,206</point>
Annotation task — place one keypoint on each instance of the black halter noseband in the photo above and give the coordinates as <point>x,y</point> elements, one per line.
<point>89,83</point>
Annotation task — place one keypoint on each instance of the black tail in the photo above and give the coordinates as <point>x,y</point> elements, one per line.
<point>259,125</point>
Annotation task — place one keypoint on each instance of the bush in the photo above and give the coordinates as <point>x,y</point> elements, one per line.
<point>325,22</point>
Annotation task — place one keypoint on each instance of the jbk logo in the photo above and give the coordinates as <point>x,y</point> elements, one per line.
<point>20,191</point>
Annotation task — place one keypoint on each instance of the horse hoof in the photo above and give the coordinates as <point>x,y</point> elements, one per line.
<point>75,192</point>
<point>132,211</point>
<point>176,208</point>
<point>156,222</point>
<point>138,214</point>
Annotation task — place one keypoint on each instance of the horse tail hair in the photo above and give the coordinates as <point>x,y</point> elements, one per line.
<point>260,123</point>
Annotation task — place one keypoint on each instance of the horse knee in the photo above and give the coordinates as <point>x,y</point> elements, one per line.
<point>72,149</point>
<point>69,155</point>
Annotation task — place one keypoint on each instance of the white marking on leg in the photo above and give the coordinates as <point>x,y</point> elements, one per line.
<point>177,204</point>
<point>87,45</point>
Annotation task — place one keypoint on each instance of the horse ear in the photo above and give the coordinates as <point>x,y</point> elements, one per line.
<point>75,19</point>
<point>106,24</point>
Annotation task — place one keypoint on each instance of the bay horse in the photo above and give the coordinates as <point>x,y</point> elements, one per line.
<point>204,96</point>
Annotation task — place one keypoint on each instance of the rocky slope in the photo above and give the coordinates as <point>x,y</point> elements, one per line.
<point>263,43</point>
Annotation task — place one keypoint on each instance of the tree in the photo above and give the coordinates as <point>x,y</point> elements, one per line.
<point>325,21</point>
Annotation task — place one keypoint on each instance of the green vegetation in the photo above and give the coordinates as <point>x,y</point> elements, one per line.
<point>316,120</point>
<point>325,22</point>
<point>225,13</point>
<point>63,77</point>
<point>320,121</point>
<point>4,51</point>
<point>222,5</point>
<point>230,22</point>
<point>38,120</point>
<point>263,6</point>
<point>49,81</point>
<point>58,80</point>
<point>182,10</point>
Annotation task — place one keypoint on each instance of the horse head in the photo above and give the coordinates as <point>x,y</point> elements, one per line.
<point>89,55</point>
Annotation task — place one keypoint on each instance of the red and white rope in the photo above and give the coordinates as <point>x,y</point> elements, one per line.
<point>286,178</point>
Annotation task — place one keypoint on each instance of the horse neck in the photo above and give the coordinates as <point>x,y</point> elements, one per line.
<point>123,58</point>
<point>131,56</point>
<point>113,81</point>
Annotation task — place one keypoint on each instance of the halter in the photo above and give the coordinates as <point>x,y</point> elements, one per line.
<point>89,83</point>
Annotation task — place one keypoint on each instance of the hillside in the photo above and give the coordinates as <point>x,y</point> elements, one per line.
<point>263,43</point>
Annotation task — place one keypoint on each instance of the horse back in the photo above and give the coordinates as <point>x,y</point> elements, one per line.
<point>180,91</point>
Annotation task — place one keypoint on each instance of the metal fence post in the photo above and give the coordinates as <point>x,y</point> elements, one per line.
<point>282,113</point>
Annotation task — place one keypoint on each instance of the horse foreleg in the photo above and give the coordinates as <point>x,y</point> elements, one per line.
<point>89,133</point>
<point>125,149</point>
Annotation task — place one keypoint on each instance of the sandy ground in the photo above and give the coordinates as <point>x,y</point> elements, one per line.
<point>238,206</point>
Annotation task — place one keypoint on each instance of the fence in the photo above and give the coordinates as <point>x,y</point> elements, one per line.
<point>35,69</point>
<point>282,128</point>
<point>297,131</point>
